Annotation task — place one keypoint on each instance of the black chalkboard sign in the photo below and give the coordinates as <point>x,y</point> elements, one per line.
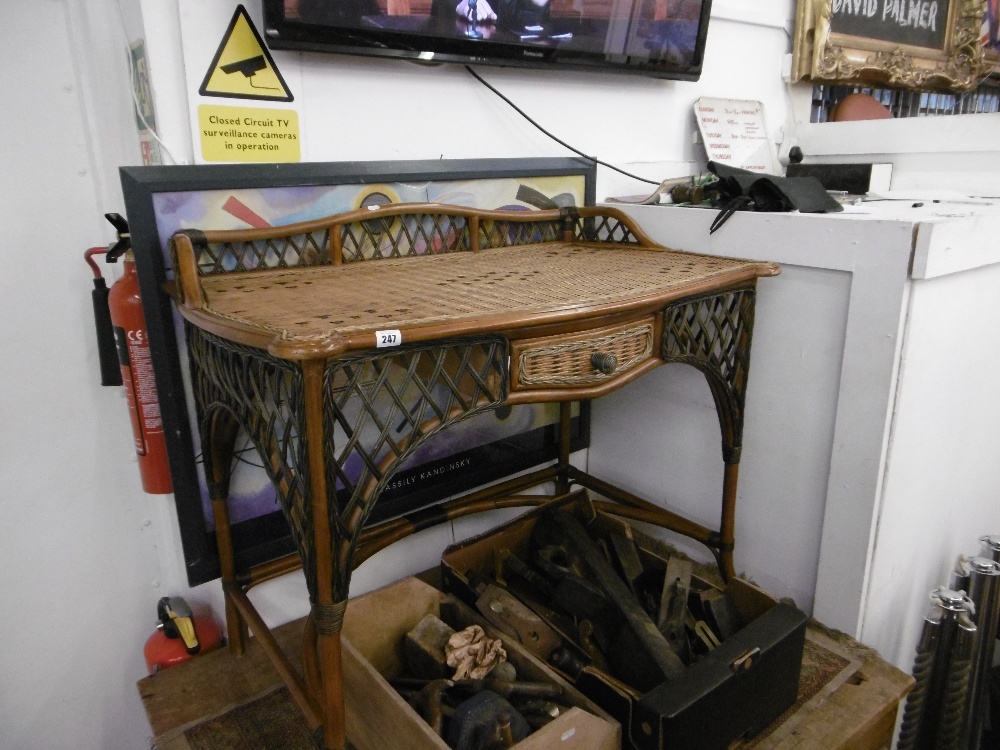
<point>918,23</point>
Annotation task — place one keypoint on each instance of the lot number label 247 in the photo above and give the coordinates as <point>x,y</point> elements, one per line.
<point>385,339</point>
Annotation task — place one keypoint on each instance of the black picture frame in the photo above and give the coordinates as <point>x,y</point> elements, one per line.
<point>266,537</point>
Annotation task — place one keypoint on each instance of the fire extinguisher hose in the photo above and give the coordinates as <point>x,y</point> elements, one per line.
<point>106,353</point>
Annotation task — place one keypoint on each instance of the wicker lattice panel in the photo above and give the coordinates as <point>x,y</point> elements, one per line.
<point>712,332</point>
<point>289,251</point>
<point>436,233</point>
<point>264,395</point>
<point>512,233</point>
<point>377,412</point>
<point>403,236</point>
<point>603,229</point>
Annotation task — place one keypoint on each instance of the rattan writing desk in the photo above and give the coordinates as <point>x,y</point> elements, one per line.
<point>340,345</point>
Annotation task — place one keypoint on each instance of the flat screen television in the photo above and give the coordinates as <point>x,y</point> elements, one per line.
<point>658,38</point>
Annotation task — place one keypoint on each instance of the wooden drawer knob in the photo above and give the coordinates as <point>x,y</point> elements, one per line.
<point>604,362</point>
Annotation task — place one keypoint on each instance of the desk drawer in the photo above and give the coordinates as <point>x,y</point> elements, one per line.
<point>582,359</point>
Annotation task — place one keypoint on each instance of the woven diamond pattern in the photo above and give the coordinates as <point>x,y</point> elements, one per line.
<point>417,233</point>
<point>380,410</point>
<point>603,229</point>
<point>280,252</point>
<point>712,333</point>
<point>510,233</point>
<point>377,412</point>
<point>264,395</point>
<point>403,236</point>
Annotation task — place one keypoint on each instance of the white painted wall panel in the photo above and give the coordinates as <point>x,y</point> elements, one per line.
<point>942,476</point>
<point>77,558</point>
<point>355,108</point>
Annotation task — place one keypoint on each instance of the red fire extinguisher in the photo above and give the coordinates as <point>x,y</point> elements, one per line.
<point>179,635</point>
<point>132,344</point>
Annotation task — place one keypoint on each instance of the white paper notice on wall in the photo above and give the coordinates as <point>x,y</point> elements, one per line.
<point>734,133</point>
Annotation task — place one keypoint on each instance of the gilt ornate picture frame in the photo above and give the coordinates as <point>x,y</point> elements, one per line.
<point>991,38</point>
<point>911,44</point>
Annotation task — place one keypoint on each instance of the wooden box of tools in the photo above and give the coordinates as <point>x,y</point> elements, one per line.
<point>377,715</point>
<point>722,690</point>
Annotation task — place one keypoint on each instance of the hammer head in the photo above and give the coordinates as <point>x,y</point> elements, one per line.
<point>475,723</point>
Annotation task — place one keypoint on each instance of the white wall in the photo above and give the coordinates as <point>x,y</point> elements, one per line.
<point>78,565</point>
<point>939,496</point>
<point>927,153</point>
<point>86,555</point>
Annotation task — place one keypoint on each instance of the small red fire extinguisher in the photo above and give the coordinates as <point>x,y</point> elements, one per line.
<point>179,635</point>
<point>132,344</point>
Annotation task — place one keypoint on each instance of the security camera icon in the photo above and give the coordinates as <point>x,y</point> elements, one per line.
<point>249,68</point>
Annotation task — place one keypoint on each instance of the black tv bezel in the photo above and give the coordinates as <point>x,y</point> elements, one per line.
<point>285,34</point>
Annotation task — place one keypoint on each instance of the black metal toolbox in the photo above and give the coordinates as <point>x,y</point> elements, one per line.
<point>729,693</point>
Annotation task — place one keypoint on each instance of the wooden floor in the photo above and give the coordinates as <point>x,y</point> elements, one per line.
<point>857,712</point>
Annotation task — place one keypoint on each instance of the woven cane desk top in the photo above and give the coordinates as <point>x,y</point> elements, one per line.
<point>428,296</point>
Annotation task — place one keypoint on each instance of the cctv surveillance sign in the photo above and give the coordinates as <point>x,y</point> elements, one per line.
<point>242,67</point>
<point>248,134</point>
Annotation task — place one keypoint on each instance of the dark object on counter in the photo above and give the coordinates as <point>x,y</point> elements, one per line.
<point>853,179</point>
<point>743,190</point>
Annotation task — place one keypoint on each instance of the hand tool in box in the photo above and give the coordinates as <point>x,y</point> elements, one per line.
<point>674,604</point>
<point>627,557</point>
<point>660,657</point>
<point>511,616</point>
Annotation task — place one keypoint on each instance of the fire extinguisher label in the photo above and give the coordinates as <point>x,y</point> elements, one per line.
<point>121,344</point>
<point>137,374</point>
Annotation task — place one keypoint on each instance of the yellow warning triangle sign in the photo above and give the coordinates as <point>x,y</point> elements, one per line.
<point>243,68</point>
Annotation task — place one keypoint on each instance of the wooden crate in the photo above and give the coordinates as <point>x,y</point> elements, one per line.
<point>379,718</point>
<point>856,712</point>
<point>713,703</point>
